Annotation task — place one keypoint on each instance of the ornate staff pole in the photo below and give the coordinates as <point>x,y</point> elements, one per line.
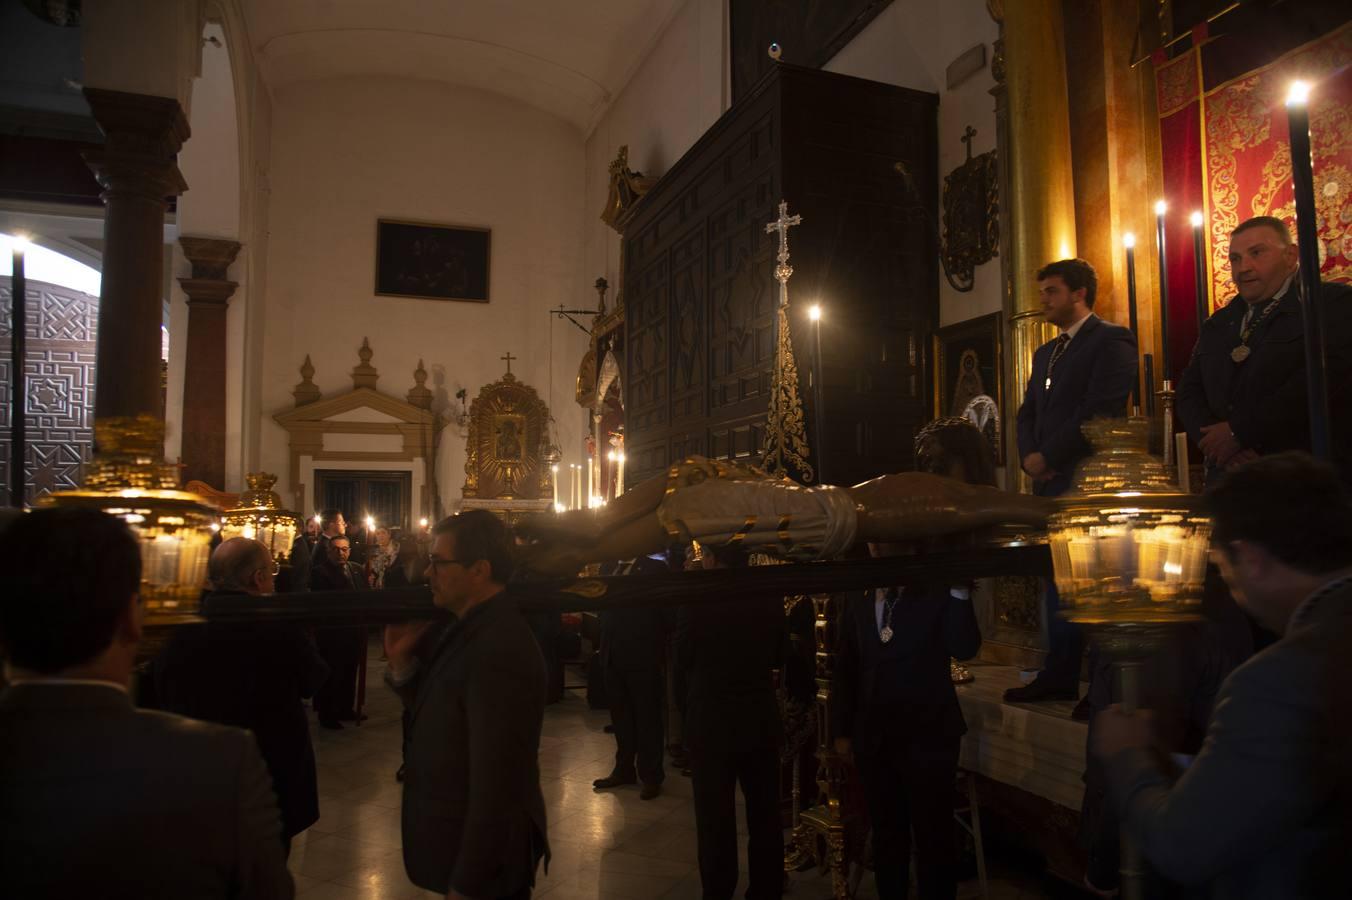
<point>785,435</point>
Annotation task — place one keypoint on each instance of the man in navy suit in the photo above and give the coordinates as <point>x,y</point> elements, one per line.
<point>1085,372</point>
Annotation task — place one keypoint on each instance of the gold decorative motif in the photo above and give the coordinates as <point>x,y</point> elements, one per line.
<point>508,422</point>
<point>971,234</point>
<point>589,589</point>
<point>1176,83</point>
<point>785,434</point>
<point>627,187</point>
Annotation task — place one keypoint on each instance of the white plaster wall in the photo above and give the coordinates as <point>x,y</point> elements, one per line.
<point>346,152</point>
<point>210,163</point>
<point>910,44</point>
<point>678,92</point>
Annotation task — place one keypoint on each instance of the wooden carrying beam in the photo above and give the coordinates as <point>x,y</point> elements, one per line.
<point>635,591</point>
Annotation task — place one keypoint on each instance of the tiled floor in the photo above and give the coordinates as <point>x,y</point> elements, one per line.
<point>605,844</point>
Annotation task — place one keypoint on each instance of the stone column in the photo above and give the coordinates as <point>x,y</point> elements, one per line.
<point>138,170</point>
<point>204,374</point>
<point>1039,191</point>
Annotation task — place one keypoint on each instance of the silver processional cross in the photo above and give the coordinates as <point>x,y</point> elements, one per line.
<point>785,221</point>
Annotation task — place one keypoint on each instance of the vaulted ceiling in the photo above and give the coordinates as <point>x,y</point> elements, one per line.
<point>567,57</point>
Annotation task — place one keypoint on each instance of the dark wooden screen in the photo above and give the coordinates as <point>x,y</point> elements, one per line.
<point>700,292</point>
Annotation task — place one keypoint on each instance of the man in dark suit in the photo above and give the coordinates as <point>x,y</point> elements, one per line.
<point>1085,372</point>
<point>632,643</point>
<point>250,676</point>
<point>341,647</point>
<point>896,715</point>
<point>100,799</point>
<point>1243,393</point>
<point>1265,809</point>
<point>730,649</point>
<point>473,814</point>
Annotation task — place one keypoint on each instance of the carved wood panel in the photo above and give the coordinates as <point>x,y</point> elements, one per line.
<point>62,329</point>
<point>700,276</point>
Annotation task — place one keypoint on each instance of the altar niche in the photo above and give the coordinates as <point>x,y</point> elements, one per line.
<point>699,290</point>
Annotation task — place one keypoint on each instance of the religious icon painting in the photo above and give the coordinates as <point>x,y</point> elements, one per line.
<point>432,262</point>
<point>509,437</point>
<point>967,373</point>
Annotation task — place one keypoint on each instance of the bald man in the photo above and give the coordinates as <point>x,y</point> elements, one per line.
<point>251,676</point>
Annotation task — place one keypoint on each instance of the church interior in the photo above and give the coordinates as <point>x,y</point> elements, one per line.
<point>265,261</point>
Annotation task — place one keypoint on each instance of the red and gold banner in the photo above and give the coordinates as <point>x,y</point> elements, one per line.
<point>1248,153</point>
<point>1226,151</point>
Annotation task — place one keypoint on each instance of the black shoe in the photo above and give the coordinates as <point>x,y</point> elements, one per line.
<point>651,791</point>
<point>331,724</point>
<point>1040,690</point>
<point>399,776</point>
<point>1082,712</point>
<point>615,779</point>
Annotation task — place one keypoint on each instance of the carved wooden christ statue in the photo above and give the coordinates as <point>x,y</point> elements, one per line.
<point>721,503</point>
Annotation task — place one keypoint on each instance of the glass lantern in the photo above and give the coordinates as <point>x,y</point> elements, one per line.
<point>260,517</point>
<point>129,478</point>
<point>1128,547</point>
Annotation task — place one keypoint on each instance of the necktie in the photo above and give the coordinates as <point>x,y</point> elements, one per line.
<point>1058,349</point>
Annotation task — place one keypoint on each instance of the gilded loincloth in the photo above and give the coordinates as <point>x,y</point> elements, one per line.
<point>721,503</point>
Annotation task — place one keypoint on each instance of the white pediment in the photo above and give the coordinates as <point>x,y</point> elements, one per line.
<point>362,414</point>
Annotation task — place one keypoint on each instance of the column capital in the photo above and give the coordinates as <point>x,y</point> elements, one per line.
<point>142,137</point>
<point>210,257</point>
<point>208,291</point>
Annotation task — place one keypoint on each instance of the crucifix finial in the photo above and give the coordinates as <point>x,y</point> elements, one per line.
<point>782,225</point>
<point>967,139</point>
<point>509,357</point>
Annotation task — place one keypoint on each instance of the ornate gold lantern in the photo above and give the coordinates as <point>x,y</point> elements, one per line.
<point>1128,547</point>
<point>260,517</point>
<point>129,478</point>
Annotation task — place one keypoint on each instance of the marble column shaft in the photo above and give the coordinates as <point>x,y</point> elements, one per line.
<point>208,292</point>
<point>138,170</point>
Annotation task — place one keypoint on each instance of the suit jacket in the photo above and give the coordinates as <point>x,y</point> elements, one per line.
<point>473,815</point>
<point>1263,811</point>
<point>254,677</point>
<point>905,680</point>
<point>1264,398</point>
<point>100,799</point>
<point>1093,377</point>
<point>730,649</point>
<point>325,576</point>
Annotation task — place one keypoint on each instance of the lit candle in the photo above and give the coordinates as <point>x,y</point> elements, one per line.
<point>619,476</point>
<point>1199,270</point>
<point>554,479</point>
<point>591,491</point>
<point>1160,209</point>
<point>1307,237</point>
<point>1129,242</point>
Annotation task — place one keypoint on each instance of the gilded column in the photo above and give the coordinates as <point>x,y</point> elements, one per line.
<point>138,170</point>
<point>1037,183</point>
<point>208,292</point>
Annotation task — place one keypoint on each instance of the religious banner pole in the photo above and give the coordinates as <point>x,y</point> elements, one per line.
<point>785,435</point>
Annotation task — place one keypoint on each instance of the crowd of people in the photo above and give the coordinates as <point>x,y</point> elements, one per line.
<point>1241,786</point>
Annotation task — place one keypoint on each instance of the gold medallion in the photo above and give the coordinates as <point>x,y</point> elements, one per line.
<point>1240,353</point>
<point>886,633</point>
<point>1048,385</point>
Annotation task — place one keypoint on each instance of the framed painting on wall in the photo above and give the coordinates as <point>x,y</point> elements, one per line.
<point>967,375</point>
<point>431,262</point>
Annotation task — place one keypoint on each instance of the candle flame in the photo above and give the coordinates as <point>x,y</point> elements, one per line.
<point>1196,220</point>
<point>814,312</point>
<point>1298,94</point>
<point>1128,240</point>
<point>1161,207</point>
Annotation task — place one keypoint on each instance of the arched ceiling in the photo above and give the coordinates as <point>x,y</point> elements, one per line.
<point>567,57</point>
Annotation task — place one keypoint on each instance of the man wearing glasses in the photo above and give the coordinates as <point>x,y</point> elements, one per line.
<point>250,676</point>
<point>1265,809</point>
<point>473,814</point>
